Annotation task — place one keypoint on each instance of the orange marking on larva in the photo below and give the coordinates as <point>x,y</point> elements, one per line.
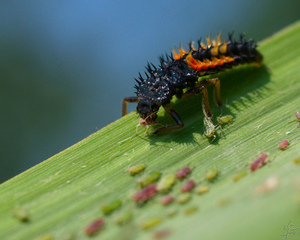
<point>193,63</point>
<point>212,64</point>
<point>176,55</point>
<point>189,59</point>
<point>220,62</point>
<point>198,65</point>
<point>182,52</point>
<point>215,60</point>
<point>227,59</point>
<point>207,62</point>
<point>204,65</point>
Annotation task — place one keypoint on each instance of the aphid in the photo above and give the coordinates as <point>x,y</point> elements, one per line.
<point>171,212</point>
<point>142,122</point>
<point>297,161</point>
<point>269,185</point>
<point>145,194</point>
<point>259,162</point>
<point>151,223</point>
<point>184,198</point>
<point>190,210</point>
<point>183,172</point>
<point>123,218</point>
<point>225,119</point>
<point>284,144</point>
<point>188,186</point>
<point>181,71</point>
<point>133,170</point>
<point>161,234</point>
<point>209,127</point>
<point>202,190</point>
<point>109,208</point>
<point>165,183</point>
<point>239,175</point>
<point>212,174</point>
<point>223,202</point>
<point>21,213</point>
<point>149,178</point>
<point>94,227</point>
<point>166,200</point>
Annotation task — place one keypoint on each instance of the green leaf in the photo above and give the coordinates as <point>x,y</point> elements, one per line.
<point>65,193</point>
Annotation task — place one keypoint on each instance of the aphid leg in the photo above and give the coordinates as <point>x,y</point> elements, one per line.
<point>175,116</point>
<point>128,100</point>
<point>217,83</point>
<point>205,103</point>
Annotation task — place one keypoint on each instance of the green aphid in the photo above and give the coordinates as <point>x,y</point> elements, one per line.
<point>171,212</point>
<point>151,223</point>
<point>165,183</point>
<point>133,170</point>
<point>239,175</point>
<point>225,119</point>
<point>190,210</point>
<point>184,198</point>
<point>107,209</point>
<point>223,202</point>
<point>297,161</point>
<point>212,174</point>
<point>123,218</point>
<point>149,178</point>
<point>21,213</point>
<point>209,127</point>
<point>202,190</point>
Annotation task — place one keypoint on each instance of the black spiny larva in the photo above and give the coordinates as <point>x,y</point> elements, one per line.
<point>182,70</point>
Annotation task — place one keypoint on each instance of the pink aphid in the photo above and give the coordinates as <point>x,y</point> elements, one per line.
<point>161,234</point>
<point>188,186</point>
<point>259,162</point>
<point>94,227</point>
<point>183,172</point>
<point>145,194</point>
<point>147,121</point>
<point>284,144</point>
<point>167,200</point>
<point>143,122</point>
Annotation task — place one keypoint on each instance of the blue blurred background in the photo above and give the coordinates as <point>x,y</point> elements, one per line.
<point>66,65</point>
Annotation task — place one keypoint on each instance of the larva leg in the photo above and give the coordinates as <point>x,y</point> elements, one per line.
<point>128,100</point>
<point>205,102</point>
<point>217,83</point>
<point>175,116</point>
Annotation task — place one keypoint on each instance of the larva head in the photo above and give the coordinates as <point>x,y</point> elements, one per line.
<point>147,111</point>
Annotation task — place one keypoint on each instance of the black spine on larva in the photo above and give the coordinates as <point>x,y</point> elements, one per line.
<point>243,51</point>
<point>162,83</point>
